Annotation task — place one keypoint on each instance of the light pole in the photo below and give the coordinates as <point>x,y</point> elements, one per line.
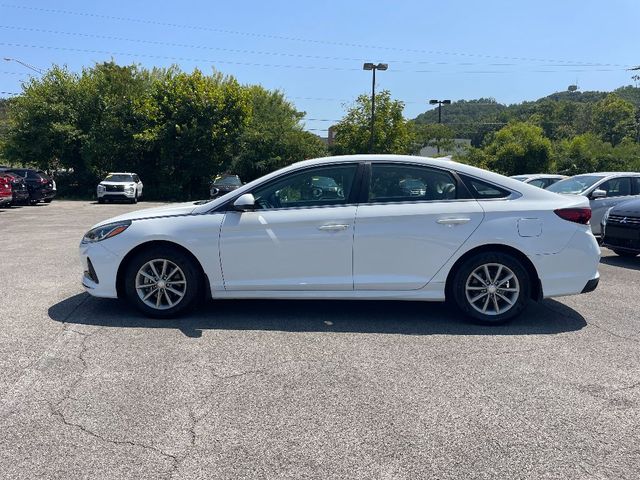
<point>373,67</point>
<point>31,67</point>
<point>440,103</point>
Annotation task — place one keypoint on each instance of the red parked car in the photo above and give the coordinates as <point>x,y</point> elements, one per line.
<point>6,190</point>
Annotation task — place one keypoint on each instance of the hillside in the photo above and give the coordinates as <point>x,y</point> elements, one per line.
<point>561,114</point>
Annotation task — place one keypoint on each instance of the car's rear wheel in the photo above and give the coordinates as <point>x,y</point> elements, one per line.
<point>623,253</point>
<point>491,287</point>
<point>162,282</point>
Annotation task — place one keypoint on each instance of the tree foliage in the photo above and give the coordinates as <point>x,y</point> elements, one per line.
<point>392,132</point>
<point>274,136</point>
<point>175,129</point>
<point>519,148</point>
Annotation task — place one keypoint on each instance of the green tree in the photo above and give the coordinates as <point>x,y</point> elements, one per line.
<point>192,126</point>
<point>614,119</point>
<point>274,136</point>
<point>436,135</point>
<point>519,148</point>
<point>392,132</point>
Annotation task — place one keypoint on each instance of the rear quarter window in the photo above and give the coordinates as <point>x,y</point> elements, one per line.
<point>482,190</point>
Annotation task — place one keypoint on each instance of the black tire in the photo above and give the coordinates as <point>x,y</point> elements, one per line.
<point>189,271</point>
<point>519,300</point>
<point>101,200</point>
<point>623,253</point>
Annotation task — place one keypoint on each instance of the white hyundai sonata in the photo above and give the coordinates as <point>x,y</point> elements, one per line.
<point>353,227</point>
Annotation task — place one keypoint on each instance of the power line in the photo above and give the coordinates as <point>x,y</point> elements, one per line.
<point>264,53</point>
<point>257,64</point>
<point>299,39</point>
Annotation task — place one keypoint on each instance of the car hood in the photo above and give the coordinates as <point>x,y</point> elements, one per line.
<point>164,211</point>
<point>629,208</point>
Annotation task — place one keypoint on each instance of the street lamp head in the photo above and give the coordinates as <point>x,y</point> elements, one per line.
<point>368,66</point>
<point>433,102</point>
<point>382,66</point>
<point>446,102</point>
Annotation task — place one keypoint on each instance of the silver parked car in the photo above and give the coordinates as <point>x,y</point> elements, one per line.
<point>603,189</point>
<point>542,180</point>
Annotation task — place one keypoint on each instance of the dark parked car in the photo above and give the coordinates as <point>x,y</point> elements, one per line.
<point>39,184</point>
<point>321,188</point>
<point>621,229</point>
<point>224,184</point>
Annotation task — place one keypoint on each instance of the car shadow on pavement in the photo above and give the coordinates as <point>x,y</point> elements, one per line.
<point>356,316</point>
<point>615,261</point>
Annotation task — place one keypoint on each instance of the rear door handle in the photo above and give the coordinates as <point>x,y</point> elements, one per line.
<point>334,227</point>
<point>453,221</point>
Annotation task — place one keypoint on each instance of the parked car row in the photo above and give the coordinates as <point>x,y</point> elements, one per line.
<point>22,186</point>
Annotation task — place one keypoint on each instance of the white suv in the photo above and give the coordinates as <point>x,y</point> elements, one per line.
<point>120,186</point>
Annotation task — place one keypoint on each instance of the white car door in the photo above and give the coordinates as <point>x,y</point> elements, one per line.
<point>412,224</point>
<point>300,237</point>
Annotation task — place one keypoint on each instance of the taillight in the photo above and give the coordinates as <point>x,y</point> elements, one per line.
<point>578,215</point>
<point>43,180</point>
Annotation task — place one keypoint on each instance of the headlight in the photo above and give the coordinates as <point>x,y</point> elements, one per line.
<point>101,188</point>
<point>105,231</point>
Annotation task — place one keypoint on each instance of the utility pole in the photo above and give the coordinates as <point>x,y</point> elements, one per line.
<point>440,103</point>
<point>373,67</point>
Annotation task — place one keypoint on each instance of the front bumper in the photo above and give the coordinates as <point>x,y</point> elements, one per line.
<point>116,195</point>
<point>100,268</point>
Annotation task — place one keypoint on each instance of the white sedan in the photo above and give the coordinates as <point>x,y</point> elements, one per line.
<point>353,227</point>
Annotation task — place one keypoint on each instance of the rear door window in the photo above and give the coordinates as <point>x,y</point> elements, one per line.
<point>410,183</point>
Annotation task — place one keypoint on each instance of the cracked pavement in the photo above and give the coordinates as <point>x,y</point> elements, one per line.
<point>304,389</point>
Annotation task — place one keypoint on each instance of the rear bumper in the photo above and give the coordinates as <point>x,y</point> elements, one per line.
<point>572,270</point>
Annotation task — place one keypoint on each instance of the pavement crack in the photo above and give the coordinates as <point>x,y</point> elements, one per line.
<point>59,413</point>
<point>629,387</point>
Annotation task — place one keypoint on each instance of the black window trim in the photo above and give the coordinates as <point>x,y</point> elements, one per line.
<point>353,195</point>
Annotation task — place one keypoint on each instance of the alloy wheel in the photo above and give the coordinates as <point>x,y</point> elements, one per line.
<point>160,284</point>
<point>492,289</point>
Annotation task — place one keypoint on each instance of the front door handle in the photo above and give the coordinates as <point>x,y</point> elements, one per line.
<point>453,221</point>
<point>333,227</point>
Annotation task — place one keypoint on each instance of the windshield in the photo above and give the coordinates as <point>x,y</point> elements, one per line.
<point>118,177</point>
<point>232,180</point>
<point>577,184</point>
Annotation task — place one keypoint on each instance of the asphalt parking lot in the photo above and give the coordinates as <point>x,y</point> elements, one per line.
<point>273,389</point>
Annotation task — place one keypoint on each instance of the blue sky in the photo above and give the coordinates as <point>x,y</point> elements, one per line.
<point>313,51</point>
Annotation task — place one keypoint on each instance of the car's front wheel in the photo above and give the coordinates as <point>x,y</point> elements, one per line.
<point>162,282</point>
<point>491,287</point>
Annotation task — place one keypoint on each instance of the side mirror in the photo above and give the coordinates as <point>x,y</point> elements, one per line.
<point>245,203</point>
<point>597,193</point>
